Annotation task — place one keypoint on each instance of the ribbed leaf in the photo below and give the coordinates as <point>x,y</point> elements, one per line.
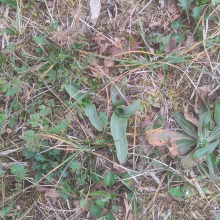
<point>215,134</point>
<point>91,113</point>
<point>128,111</point>
<point>187,127</point>
<point>184,145</point>
<point>116,96</point>
<point>73,90</point>
<point>217,112</point>
<point>213,169</point>
<point>202,152</point>
<point>118,127</point>
<point>203,121</point>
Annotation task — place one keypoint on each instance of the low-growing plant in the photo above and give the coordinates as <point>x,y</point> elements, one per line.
<point>119,120</point>
<point>206,138</point>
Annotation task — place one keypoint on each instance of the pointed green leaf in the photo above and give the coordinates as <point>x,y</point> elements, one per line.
<point>215,134</point>
<point>73,91</point>
<point>203,122</point>
<point>187,127</point>
<point>118,127</point>
<point>202,152</point>
<point>116,96</point>
<point>109,178</point>
<point>197,13</point>
<point>91,113</point>
<point>213,169</point>
<point>128,111</point>
<point>184,145</point>
<point>217,112</point>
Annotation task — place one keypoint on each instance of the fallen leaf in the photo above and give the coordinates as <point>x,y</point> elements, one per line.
<point>173,150</point>
<point>108,63</point>
<point>131,217</point>
<point>65,35</point>
<point>190,118</point>
<point>175,16</point>
<point>160,75</point>
<point>78,207</point>
<point>159,136</point>
<point>145,123</point>
<point>157,23</point>
<point>172,8</point>
<point>98,38</point>
<point>50,192</point>
<point>118,42</point>
<point>167,124</point>
<point>171,45</point>
<point>125,47</point>
<point>201,96</point>
<point>96,72</point>
<point>103,47</point>
<point>95,7</point>
<point>37,4</point>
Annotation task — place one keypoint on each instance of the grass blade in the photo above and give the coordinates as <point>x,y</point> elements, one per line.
<point>118,127</point>
<point>184,145</point>
<point>73,91</point>
<point>215,134</point>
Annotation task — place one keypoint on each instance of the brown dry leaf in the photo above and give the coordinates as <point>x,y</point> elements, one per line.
<point>174,17</point>
<point>98,38</point>
<point>157,23</point>
<point>37,4</point>
<point>108,63</point>
<point>131,217</point>
<point>118,42</point>
<point>172,8</point>
<point>159,137</point>
<point>50,192</point>
<point>65,35</point>
<point>103,47</point>
<point>171,46</point>
<point>190,118</point>
<point>201,96</point>
<point>78,207</point>
<point>95,72</point>
<point>173,150</point>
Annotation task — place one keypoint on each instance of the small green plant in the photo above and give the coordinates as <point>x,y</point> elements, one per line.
<point>119,120</point>
<point>206,138</point>
<point>180,192</point>
<point>18,171</point>
<point>184,4</point>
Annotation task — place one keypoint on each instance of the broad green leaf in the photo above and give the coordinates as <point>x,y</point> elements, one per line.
<point>215,134</point>
<point>18,171</point>
<point>96,211</point>
<point>203,122</point>
<point>186,126</point>
<point>202,152</point>
<point>213,169</point>
<point>217,112</point>
<point>184,4</point>
<point>110,216</point>
<point>176,24</point>
<point>179,37</point>
<point>91,113</point>
<point>100,203</point>
<point>73,91</point>
<point>100,195</point>
<point>96,178</point>
<point>128,111</point>
<point>116,96</point>
<point>184,145</point>
<point>158,137</point>
<point>109,178</point>
<point>197,13</point>
<point>118,127</point>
